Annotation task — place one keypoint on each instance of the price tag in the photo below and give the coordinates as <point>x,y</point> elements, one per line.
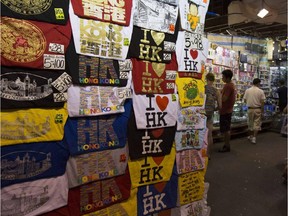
<point>56,48</point>
<point>54,62</point>
<point>63,82</point>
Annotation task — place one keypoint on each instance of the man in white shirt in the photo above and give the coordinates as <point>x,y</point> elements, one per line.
<point>254,97</point>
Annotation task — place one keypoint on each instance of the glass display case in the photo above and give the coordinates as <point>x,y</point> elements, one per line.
<point>239,119</point>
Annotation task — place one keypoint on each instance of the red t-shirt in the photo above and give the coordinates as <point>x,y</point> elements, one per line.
<point>230,92</point>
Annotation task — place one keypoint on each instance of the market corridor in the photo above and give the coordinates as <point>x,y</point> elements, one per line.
<point>248,180</point>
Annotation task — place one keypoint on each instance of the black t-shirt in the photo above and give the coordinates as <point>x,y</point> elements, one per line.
<point>282,93</point>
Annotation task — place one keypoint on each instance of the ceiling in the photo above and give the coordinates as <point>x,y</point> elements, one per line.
<point>240,18</point>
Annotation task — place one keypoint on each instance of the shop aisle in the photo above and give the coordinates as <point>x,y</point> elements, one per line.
<point>247,181</point>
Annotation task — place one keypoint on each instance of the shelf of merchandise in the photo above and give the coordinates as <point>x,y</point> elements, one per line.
<point>264,76</point>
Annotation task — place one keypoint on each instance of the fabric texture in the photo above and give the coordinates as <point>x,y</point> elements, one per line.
<point>190,139</point>
<point>190,187</point>
<point>151,170</point>
<point>95,166</point>
<point>32,125</point>
<point>52,11</point>
<point>191,52</point>
<point>282,94</point>
<point>96,100</point>
<point>230,92</point>
<point>154,78</point>
<point>254,119</point>
<point>149,142</point>
<point>100,39</point>
<point>211,100</point>
<point>33,161</point>
<point>193,15</point>
<point>254,96</point>
<point>36,197</point>
<point>155,111</point>
<point>28,88</point>
<point>157,197</point>
<point>34,44</point>
<point>189,161</point>
<point>89,70</point>
<point>191,118</point>
<point>97,133</point>
<point>191,91</point>
<point>107,11</point>
<point>97,195</point>
<point>155,15</point>
<point>154,46</point>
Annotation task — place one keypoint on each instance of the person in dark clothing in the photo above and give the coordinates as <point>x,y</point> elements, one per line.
<point>282,93</point>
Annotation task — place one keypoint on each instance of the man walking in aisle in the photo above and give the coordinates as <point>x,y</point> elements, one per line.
<point>254,97</point>
<point>228,95</point>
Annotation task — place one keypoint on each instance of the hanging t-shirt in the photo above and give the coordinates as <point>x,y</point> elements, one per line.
<point>100,39</point>
<point>151,170</point>
<point>191,118</point>
<point>28,162</point>
<point>190,139</point>
<point>125,208</point>
<point>157,197</point>
<point>192,13</point>
<point>155,111</point>
<point>194,208</point>
<point>90,134</point>
<point>154,78</point>
<point>190,187</point>
<point>94,166</point>
<point>99,194</point>
<point>53,11</point>
<point>29,88</point>
<point>118,12</point>
<point>191,91</point>
<point>34,197</point>
<point>89,70</point>
<point>191,52</point>
<point>149,142</point>
<point>152,45</point>
<point>34,44</point>
<point>189,161</point>
<point>96,100</point>
<point>32,125</point>
<point>155,15</point>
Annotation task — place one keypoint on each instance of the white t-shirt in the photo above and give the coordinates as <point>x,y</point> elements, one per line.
<point>254,96</point>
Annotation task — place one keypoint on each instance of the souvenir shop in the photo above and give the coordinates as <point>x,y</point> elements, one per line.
<point>102,105</point>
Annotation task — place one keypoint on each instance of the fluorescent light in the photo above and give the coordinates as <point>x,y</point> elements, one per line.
<point>262,13</point>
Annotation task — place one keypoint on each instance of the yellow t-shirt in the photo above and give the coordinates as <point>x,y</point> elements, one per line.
<point>32,125</point>
<point>191,91</point>
<point>151,170</point>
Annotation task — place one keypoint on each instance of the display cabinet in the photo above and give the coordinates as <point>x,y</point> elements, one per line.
<point>239,119</point>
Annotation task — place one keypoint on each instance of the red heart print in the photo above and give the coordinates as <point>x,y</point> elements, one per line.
<point>160,186</point>
<point>194,53</point>
<point>157,132</point>
<point>158,160</point>
<point>162,102</point>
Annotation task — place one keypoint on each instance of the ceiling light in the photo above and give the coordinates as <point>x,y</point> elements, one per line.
<point>262,13</point>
